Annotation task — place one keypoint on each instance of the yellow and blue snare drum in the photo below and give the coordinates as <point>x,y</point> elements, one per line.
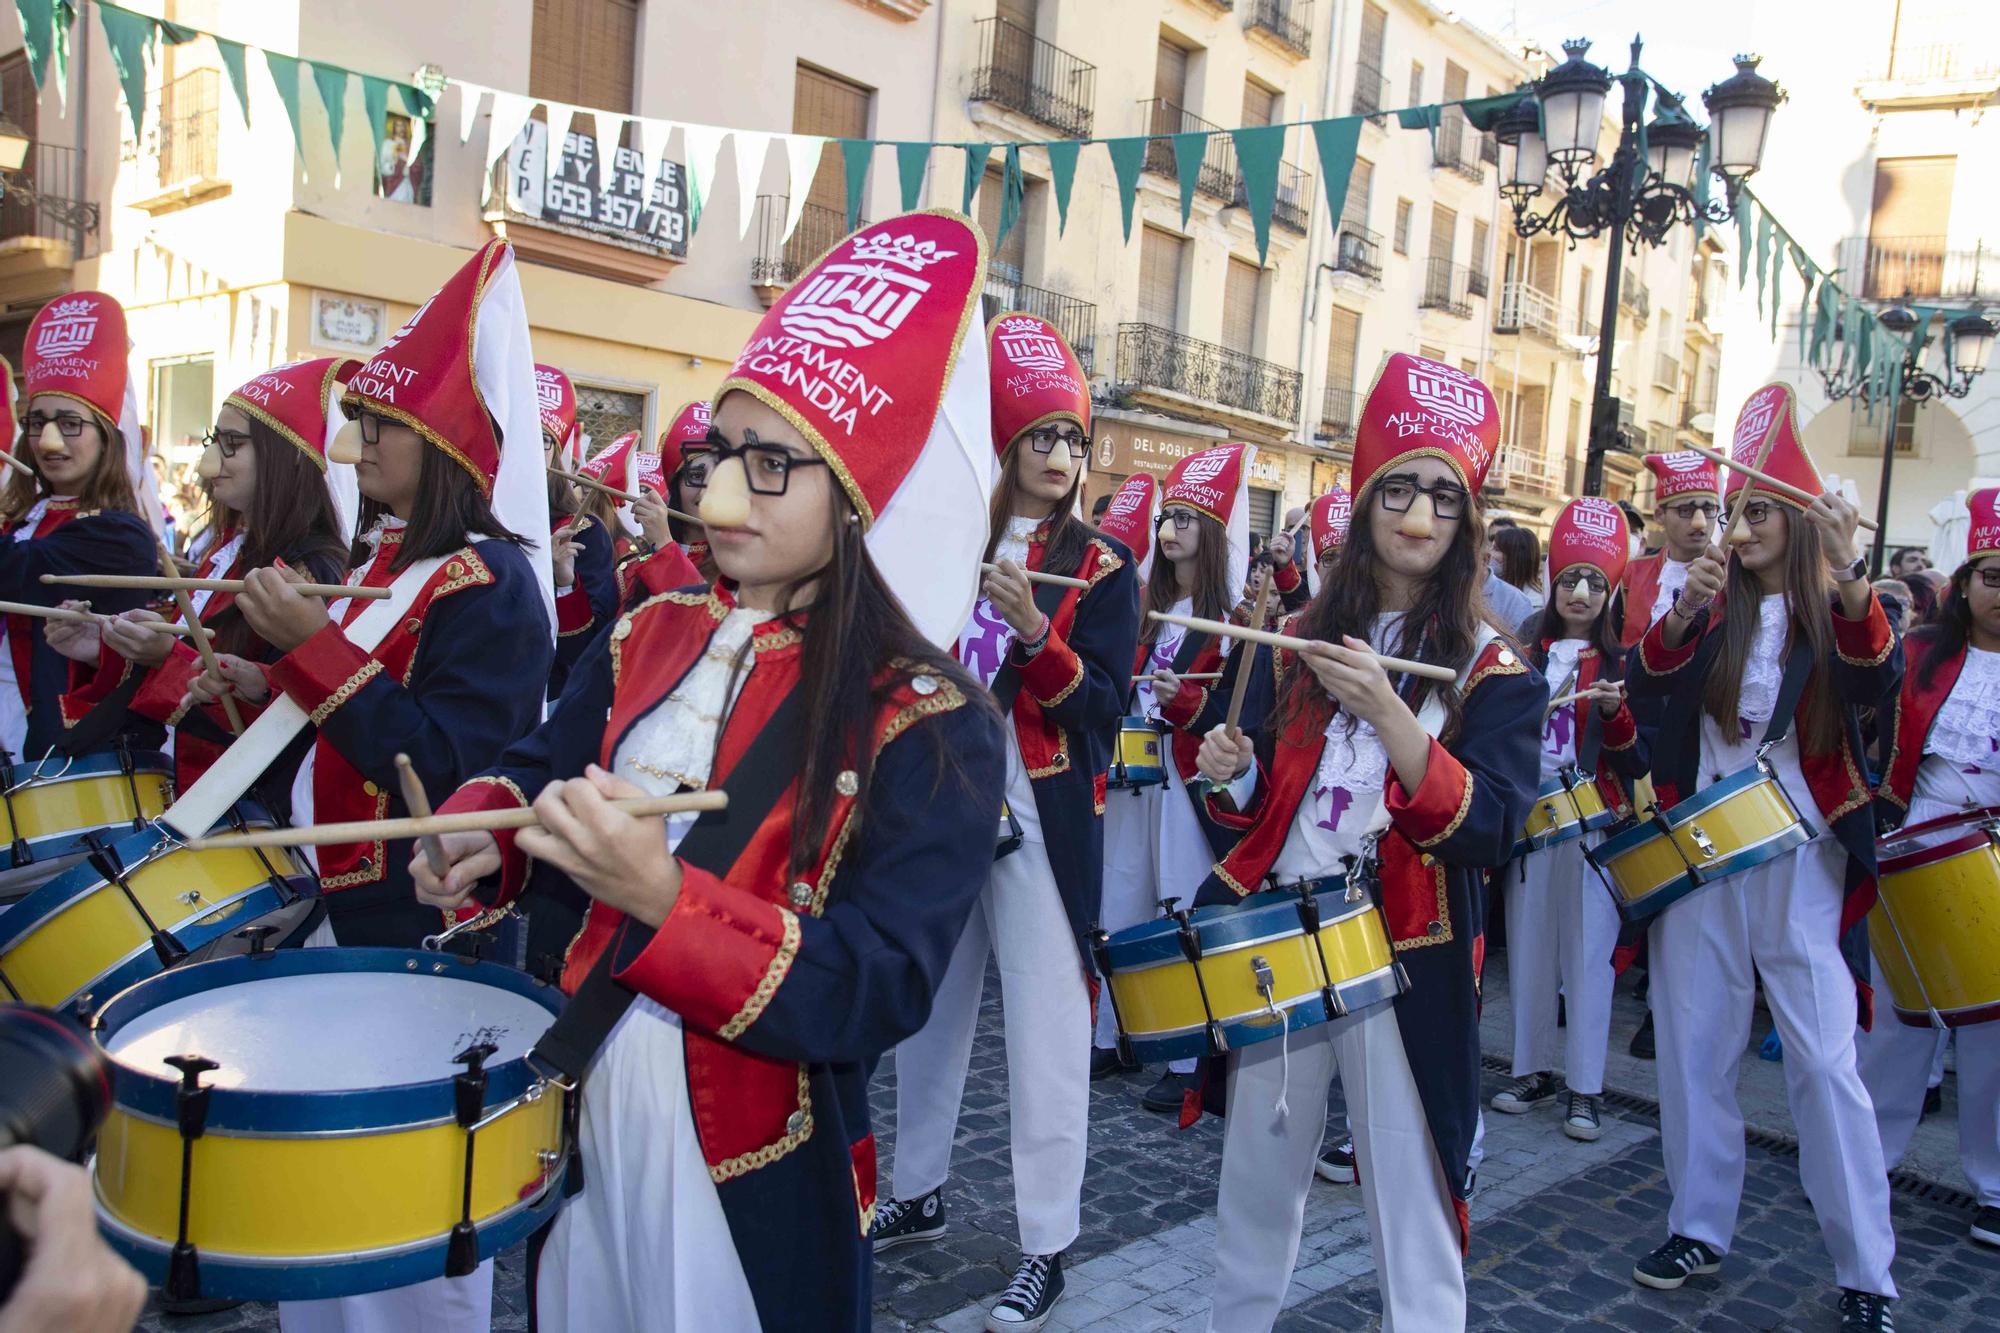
<point>1220,978</point>
<point>47,807</point>
<point>144,903</point>
<point>1742,821</point>
<point>1138,756</point>
<point>1568,806</point>
<point>1935,926</point>
<point>325,1122</point>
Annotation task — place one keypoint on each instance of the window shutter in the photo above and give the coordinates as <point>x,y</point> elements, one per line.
<point>1343,348</point>
<point>828,105</point>
<point>584,52</point>
<point>1239,306</point>
<point>1160,279</point>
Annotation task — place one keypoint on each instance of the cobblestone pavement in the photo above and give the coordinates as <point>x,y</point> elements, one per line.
<point>1556,1224</point>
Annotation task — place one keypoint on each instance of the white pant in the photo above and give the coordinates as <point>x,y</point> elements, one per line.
<point>1267,1169</point>
<point>441,1305</point>
<point>1154,849</point>
<point>1046,1006</point>
<point>1561,929</point>
<point>1777,922</point>
<point>1895,1064</point>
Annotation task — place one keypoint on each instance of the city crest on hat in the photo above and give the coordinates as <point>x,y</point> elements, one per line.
<point>1591,531</point>
<point>1682,472</point>
<point>76,347</point>
<point>1331,515</point>
<point>1772,413</point>
<point>857,353</point>
<point>424,375</point>
<point>1419,408</point>
<point>1984,538</point>
<point>612,464</point>
<point>1036,377</point>
<point>295,401</point>
<point>1208,482</point>
<point>555,402</point>
<point>688,430</point>
<point>1129,518</point>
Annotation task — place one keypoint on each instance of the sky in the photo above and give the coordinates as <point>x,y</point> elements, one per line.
<point>1688,52</point>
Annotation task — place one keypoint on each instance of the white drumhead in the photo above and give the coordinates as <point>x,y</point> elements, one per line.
<point>332,1032</point>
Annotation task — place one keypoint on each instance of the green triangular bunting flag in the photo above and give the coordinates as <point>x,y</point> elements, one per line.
<point>331,80</point>
<point>128,35</point>
<point>975,171</point>
<point>1190,147</point>
<point>1763,257</point>
<point>1743,212</point>
<point>375,102</point>
<point>854,155</point>
<point>1336,140</point>
<point>1062,175</point>
<point>1010,193</point>
<point>38,33</point>
<point>1258,149</point>
<point>285,74</point>
<point>232,64</point>
<point>911,159</point>
<point>1128,158</point>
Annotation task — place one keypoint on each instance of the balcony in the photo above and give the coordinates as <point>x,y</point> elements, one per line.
<point>1638,301</point>
<point>1446,288</point>
<point>1292,209</point>
<point>1890,268</point>
<point>779,259</point>
<point>1452,147</point>
<point>42,229</point>
<point>1696,408</point>
<point>185,143</point>
<point>1667,373</point>
<point>1479,284</point>
<point>1358,250</point>
<point>1525,309</point>
<point>1042,81</point>
<point>1371,90</point>
<point>1160,361</point>
<point>1287,22</point>
<point>1336,416</point>
<point>1075,320</point>
<point>1524,471</point>
<point>1217,176</point>
<point>1489,149</point>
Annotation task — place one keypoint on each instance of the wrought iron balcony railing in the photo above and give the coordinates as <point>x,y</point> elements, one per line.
<point>189,121</point>
<point>1371,90</point>
<point>1336,413</point>
<point>1936,62</point>
<point>1638,300</point>
<point>45,199</point>
<point>1076,320</point>
<point>1479,284</point>
<point>1150,357</point>
<point>1525,309</point>
<point>1217,177</point>
<point>780,259</point>
<point>1292,209</point>
<point>1527,470</point>
<point>1287,20</point>
<point>1891,267</point>
<point>1445,288</point>
<point>1036,78</point>
<point>1667,372</point>
<point>1453,147</point>
<point>1358,250</point>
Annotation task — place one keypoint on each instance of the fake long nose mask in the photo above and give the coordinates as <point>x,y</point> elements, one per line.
<point>725,503</point>
<point>1417,521</point>
<point>346,446</point>
<point>51,437</point>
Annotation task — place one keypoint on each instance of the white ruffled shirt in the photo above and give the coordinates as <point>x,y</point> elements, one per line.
<point>1673,577</point>
<point>1757,699</point>
<point>1559,728</point>
<point>983,649</point>
<point>1961,764</point>
<point>1345,807</point>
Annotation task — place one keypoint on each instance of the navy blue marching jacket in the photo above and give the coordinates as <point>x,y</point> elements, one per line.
<point>789,987</point>
<point>1071,697</point>
<point>67,540</point>
<point>590,601</point>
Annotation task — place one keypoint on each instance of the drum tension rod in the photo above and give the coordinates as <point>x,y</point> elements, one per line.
<point>468,1092</point>
<point>105,861</point>
<point>1190,941</point>
<point>1309,921</point>
<point>1100,954</point>
<point>130,770</point>
<point>279,884</point>
<point>191,1115</point>
<point>21,852</point>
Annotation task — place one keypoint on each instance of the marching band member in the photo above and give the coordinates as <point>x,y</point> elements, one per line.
<point>80,512</point>
<point>761,964</point>
<point>579,546</point>
<point>1430,784</point>
<point>1561,924</point>
<point>684,492</point>
<point>1056,659</point>
<point>660,563</point>
<point>1687,496</point>
<point>1943,763</point>
<point>1713,689</point>
<point>271,504</point>
<point>1158,841</point>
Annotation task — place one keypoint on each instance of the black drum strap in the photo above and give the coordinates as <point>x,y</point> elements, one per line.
<point>1007,681</point>
<point>1790,690</point>
<point>713,844</point>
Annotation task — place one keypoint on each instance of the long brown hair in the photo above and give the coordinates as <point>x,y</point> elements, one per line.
<point>108,486</point>
<point>1441,626</point>
<point>604,509</point>
<point>1604,633</point>
<point>1068,537</point>
<point>450,511</point>
<point>291,517</point>
<point>1807,597</point>
<point>1213,578</point>
<point>1946,634</point>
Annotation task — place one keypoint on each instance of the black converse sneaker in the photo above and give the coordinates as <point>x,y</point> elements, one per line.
<point>1581,1121</point>
<point>1674,1263</point>
<point>906,1221</point>
<point>1336,1164</point>
<point>1985,1226</point>
<point>1025,1305</point>
<point>1865,1312</point>
<point>1526,1094</point>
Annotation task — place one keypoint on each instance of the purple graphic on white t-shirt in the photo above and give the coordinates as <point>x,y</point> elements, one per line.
<point>984,645</point>
<point>1161,659</point>
<point>1335,800</point>
<point>1559,730</point>
<point>1743,723</point>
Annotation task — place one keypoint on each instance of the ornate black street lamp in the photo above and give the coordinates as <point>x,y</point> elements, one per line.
<point>1648,186</point>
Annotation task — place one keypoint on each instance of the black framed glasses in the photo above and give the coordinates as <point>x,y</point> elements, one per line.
<point>1399,493</point>
<point>1182,519</point>
<point>1687,509</point>
<point>1757,511</point>
<point>768,466</point>
<point>1990,578</point>
<point>696,465</point>
<point>1043,440</point>
<point>1588,579</point>
<point>227,441</point>
<point>371,425</point>
<point>69,423</point>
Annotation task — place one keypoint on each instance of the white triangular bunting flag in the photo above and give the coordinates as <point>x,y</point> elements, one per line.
<point>703,142</point>
<point>470,95</point>
<point>653,136</point>
<point>510,113</point>
<point>751,145</point>
<point>559,114</point>
<point>802,154</point>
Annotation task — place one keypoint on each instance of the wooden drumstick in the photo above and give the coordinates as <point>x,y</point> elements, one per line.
<point>200,641</point>
<point>176,583</point>
<point>1425,669</point>
<point>1243,670</point>
<point>1766,480</point>
<point>464,821</point>
<point>1192,675</point>
<point>1036,576</point>
<point>7,457</point>
<point>1562,699</point>
<point>420,808</point>
<point>77,617</point>
<point>623,497</point>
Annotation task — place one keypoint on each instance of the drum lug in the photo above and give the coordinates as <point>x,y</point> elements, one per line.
<point>1702,840</point>
<point>1218,1045</point>
<point>1100,957</point>
<point>191,1118</point>
<point>1308,909</point>
<point>104,859</point>
<point>1335,1006</point>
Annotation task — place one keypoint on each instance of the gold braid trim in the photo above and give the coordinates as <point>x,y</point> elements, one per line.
<point>1515,668</point>
<point>1108,562</point>
<point>1235,886</point>
<point>1464,806</point>
<point>495,780</point>
<point>1874,661</point>
<point>1060,764</point>
<point>1646,660</point>
<point>827,871</point>
<point>1895,753</point>
<point>747,1162</point>
<point>1067,690</point>
<point>623,627</point>
<point>1858,793</point>
<point>947,698</point>
<point>1443,919</point>
<point>369,670</point>
<point>774,975</point>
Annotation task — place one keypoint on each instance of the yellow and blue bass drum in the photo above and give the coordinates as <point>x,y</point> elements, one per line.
<point>1935,926</point>
<point>1742,821</point>
<point>1138,757</point>
<point>1220,978</point>
<point>47,807</point>
<point>144,902</point>
<point>325,1122</point>
<point>1567,807</point>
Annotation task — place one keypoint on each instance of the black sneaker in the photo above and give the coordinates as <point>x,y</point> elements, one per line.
<point>1642,1040</point>
<point>1985,1226</point>
<point>906,1221</point>
<point>1526,1094</point>
<point>1581,1122</point>
<point>1336,1164</point>
<point>1107,1063</point>
<point>1674,1263</point>
<point>1933,1103</point>
<point>1865,1312</point>
<point>1025,1305</point>
<point>1165,1096</point>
